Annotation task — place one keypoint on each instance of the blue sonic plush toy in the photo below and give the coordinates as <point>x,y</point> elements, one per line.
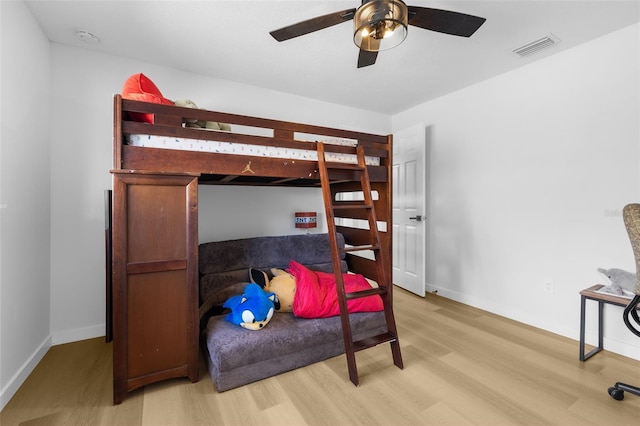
<point>253,309</point>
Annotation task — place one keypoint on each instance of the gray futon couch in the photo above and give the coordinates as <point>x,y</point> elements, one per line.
<point>237,356</point>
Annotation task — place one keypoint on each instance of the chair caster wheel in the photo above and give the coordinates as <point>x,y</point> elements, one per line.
<point>616,394</point>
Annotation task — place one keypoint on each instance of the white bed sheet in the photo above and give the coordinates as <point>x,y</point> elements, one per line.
<point>168,142</point>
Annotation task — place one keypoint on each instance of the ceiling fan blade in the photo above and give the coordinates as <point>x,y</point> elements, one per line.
<point>313,24</point>
<point>444,21</point>
<point>366,58</point>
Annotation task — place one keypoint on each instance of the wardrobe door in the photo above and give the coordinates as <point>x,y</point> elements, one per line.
<point>155,271</point>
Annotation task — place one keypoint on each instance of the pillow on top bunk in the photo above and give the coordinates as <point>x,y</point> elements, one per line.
<point>139,87</point>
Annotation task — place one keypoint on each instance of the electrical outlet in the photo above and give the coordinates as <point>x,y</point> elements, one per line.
<point>549,287</point>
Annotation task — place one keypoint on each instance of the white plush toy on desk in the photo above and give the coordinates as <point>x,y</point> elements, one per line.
<point>622,282</point>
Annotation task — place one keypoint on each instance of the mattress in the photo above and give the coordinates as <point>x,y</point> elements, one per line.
<point>169,142</point>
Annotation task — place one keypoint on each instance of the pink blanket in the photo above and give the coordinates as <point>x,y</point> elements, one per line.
<point>316,295</point>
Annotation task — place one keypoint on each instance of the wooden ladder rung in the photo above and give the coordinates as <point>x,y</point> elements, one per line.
<point>365,293</point>
<point>360,248</point>
<point>344,166</point>
<point>372,341</point>
<point>344,205</point>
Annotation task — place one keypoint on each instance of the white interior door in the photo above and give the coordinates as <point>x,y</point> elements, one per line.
<point>409,227</point>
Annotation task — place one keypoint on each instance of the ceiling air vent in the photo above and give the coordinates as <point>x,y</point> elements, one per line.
<point>536,46</point>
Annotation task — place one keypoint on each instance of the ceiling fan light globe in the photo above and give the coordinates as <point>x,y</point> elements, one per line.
<point>388,33</point>
<point>380,25</point>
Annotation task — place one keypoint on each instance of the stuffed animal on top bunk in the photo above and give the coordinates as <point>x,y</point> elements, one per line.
<point>622,282</point>
<point>282,284</point>
<point>253,309</point>
<point>200,124</point>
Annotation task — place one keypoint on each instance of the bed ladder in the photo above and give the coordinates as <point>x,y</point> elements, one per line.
<point>358,176</point>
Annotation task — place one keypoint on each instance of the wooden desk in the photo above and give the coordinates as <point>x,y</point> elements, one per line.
<point>602,299</point>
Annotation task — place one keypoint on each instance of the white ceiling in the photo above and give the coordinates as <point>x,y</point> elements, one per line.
<point>230,40</point>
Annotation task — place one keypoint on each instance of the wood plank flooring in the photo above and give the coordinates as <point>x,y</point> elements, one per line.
<point>463,366</point>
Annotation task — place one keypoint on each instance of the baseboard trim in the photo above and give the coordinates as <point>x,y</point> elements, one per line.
<point>622,348</point>
<point>23,372</point>
<point>75,335</point>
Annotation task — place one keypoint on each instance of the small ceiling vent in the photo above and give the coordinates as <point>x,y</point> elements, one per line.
<point>536,46</point>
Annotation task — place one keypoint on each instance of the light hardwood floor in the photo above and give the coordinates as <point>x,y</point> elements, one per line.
<point>463,366</point>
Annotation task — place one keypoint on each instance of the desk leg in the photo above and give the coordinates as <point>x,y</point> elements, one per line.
<point>582,317</point>
<point>583,302</point>
<point>600,324</point>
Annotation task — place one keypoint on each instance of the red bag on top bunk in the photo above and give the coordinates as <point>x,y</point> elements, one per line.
<point>316,295</point>
<point>139,87</point>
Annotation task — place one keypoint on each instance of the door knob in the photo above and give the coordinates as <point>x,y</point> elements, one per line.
<point>418,218</point>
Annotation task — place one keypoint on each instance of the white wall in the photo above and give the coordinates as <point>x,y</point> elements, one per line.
<point>83,85</point>
<point>528,174</point>
<point>255,212</point>
<point>24,196</point>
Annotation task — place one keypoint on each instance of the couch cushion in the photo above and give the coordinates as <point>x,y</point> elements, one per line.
<point>265,252</point>
<point>225,263</point>
<point>238,356</point>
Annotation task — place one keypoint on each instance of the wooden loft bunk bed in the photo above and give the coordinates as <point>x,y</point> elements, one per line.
<point>232,167</point>
<point>157,167</point>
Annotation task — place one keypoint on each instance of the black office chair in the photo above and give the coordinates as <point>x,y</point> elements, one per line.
<point>631,216</point>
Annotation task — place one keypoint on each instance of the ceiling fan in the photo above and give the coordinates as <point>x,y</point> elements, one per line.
<point>382,24</point>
